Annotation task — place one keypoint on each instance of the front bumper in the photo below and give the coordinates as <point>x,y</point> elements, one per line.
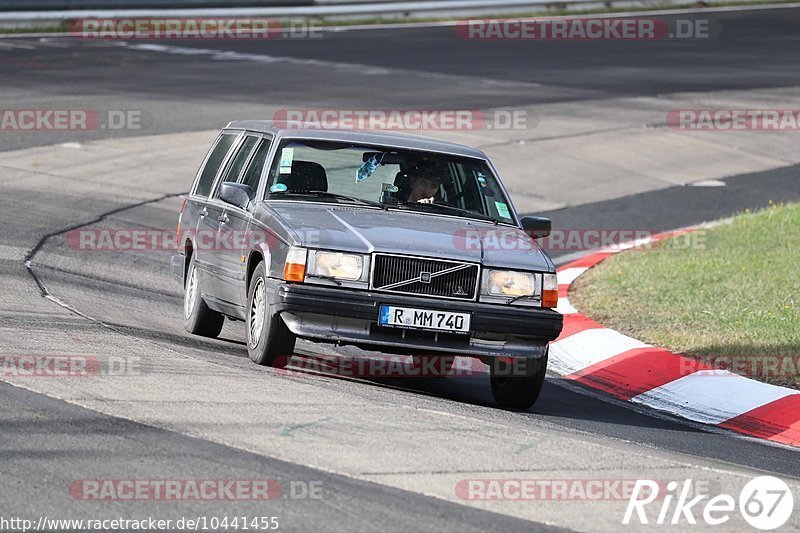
<point>345,316</point>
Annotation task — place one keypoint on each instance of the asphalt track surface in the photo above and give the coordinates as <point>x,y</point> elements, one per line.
<point>429,68</point>
<point>47,443</point>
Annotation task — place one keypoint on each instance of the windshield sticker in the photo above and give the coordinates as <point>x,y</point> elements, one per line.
<point>279,187</point>
<point>502,210</point>
<point>485,189</point>
<point>287,154</point>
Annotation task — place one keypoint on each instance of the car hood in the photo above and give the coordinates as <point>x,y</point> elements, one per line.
<point>364,230</point>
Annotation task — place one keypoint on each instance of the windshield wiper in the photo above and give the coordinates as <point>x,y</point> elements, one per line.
<point>517,298</point>
<point>448,208</point>
<point>326,194</point>
<point>327,278</point>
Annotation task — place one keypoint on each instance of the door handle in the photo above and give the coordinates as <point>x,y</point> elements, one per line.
<point>204,212</point>
<point>223,218</point>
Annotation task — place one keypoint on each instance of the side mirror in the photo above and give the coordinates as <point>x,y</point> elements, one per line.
<point>537,227</point>
<point>236,194</point>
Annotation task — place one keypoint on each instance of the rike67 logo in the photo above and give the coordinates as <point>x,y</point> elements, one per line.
<point>765,503</point>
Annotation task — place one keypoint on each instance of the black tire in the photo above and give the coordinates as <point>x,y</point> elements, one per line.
<point>433,365</point>
<point>273,344</point>
<point>517,392</point>
<point>198,318</point>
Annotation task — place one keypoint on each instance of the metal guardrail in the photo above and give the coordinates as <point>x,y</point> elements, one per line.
<point>286,8</point>
<point>69,5</point>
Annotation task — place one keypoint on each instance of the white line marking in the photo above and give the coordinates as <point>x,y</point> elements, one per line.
<point>588,348</point>
<point>54,43</point>
<point>660,415</point>
<point>616,248</point>
<point>708,183</point>
<point>568,275</point>
<point>711,396</point>
<point>565,308</point>
<point>25,45</point>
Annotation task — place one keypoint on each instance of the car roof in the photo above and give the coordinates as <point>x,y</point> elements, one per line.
<point>369,137</point>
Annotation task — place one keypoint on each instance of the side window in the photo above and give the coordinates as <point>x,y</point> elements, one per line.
<point>212,165</point>
<point>253,173</point>
<point>238,161</point>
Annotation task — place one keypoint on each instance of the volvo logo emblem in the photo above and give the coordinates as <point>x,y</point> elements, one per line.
<point>424,277</point>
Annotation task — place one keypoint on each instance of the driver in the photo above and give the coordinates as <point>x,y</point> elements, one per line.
<point>425,185</point>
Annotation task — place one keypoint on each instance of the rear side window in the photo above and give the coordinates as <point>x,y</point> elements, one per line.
<point>211,168</point>
<point>252,175</point>
<point>238,161</point>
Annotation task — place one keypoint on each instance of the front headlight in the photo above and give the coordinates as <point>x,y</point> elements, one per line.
<point>509,283</point>
<point>338,265</point>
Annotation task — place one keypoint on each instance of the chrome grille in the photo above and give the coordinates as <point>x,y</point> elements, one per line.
<point>445,279</point>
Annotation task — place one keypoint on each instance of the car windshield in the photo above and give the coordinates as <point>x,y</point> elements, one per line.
<point>329,171</point>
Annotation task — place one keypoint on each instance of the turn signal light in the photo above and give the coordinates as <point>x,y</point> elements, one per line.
<point>295,267</point>
<point>549,290</point>
<point>180,216</point>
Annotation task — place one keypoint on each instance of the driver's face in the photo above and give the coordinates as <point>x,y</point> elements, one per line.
<point>422,188</point>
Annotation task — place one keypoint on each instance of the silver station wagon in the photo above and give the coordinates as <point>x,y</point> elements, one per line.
<point>394,243</point>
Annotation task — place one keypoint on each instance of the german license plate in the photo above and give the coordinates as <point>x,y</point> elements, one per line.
<point>412,318</point>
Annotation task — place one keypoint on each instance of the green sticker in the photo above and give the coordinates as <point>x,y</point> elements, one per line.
<point>502,210</point>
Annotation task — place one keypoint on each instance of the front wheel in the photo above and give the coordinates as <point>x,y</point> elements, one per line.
<point>517,391</point>
<point>269,341</point>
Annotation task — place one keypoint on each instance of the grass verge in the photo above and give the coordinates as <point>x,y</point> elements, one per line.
<point>33,28</point>
<point>728,295</point>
